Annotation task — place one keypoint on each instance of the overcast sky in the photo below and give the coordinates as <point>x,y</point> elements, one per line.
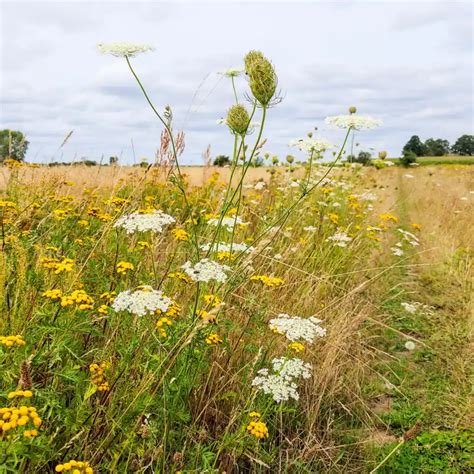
<point>408,63</point>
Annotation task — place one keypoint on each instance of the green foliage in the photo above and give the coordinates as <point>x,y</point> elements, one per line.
<point>464,145</point>
<point>221,160</point>
<point>13,145</point>
<point>364,158</point>
<point>415,146</point>
<point>408,158</point>
<point>436,147</point>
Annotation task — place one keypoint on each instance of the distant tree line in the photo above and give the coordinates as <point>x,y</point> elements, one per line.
<point>464,146</point>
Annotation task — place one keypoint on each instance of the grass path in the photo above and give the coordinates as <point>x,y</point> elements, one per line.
<point>426,400</point>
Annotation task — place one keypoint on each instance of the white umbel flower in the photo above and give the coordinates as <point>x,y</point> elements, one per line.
<point>124,50</point>
<point>232,72</point>
<point>340,239</point>
<point>143,301</point>
<point>225,247</point>
<point>296,328</point>
<point>206,270</point>
<point>311,145</point>
<point>281,384</point>
<point>227,223</point>
<point>357,122</point>
<point>138,222</point>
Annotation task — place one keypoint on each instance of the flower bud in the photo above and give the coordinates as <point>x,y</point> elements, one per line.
<point>352,110</point>
<point>275,160</point>
<point>238,119</point>
<point>382,155</point>
<point>290,158</point>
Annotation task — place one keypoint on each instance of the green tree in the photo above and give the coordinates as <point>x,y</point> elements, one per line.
<point>113,160</point>
<point>13,145</point>
<point>408,158</point>
<point>464,145</point>
<point>221,160</point>
<point>415,145</point>
<point>364,158</point>
<point>436,147</point>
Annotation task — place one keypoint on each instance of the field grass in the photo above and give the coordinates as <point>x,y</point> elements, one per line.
<point>441,160</point>
<point>388,384</point>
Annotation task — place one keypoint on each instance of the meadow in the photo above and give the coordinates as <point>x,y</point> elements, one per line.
<point>290,318</point>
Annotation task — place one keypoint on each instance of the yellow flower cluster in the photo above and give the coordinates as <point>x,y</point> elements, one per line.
<point>296,347</point>
<point>258,429</point>
<point>180,234</point>
<point>180,276</point>
<point>108,296</point>
<point>13,417</point>
<point>416,226</point>
<point>59,266</point>
<point>78,297</point>
<point>334,218</point>
<point>213,339</point>
<point>161,325</point>
<point>78,467</point>
<point>54,294</point>
<point>143,244</point>
<point>267,280</point>
<point>124,267</point>
<point>98,377</point>
<point>10,341</point>
<point>212,300</point>
<point>388,217</point>
<point>20,393</point>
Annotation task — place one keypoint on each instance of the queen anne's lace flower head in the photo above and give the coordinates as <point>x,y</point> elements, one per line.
<point>225,247</point>
<point>143,301</point>
<point>232,72</point>
<point>357,122</point>
<point>340,239</point>
<point>281,384</point>
<point>138,222</point>
<point>296,328</point>
<point>228,223</point>
<point>311,145</point>
<point>206,270</point>
<point>124,50</point>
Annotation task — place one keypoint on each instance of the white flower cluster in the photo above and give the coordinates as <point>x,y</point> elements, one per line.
<point>357,122</point>
<point>416,306</point>
<point>138,222</point>
<point>397,250</point>
<point>206,270</point>
<point>311,145</point>
<point>259,186</point>
<point>227,223</point>
<point>225,247</point>
<point>142,301</point>
<point>123,50</point>
<point>232,72</point>
<point>281,384</point>
<point>296,328</point>
<point>412,239</point>
<point>340,239</point>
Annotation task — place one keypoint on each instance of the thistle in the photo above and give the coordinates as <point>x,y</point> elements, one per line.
<point>238,119</point>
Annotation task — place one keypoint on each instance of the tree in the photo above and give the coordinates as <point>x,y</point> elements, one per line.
<point>13,145</point>
<point>464,145</point>
<point>221,160</point>
<point>364,158</point>
<point>113,160</point>
<point>415,145</point>
<point>408,158</point>
<point>436,147</point>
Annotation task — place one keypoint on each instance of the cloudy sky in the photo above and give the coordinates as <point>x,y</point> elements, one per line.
<point>408,63</point>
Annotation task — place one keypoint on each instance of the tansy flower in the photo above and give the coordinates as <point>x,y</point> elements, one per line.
<point>296,347</point>
<point>258,429</point>
<point>212,300</point>
<point>98,376</point>
<point>388,217</point>
<point>416,226</point>
<point>123,267</point>
<point>161,325</point>
<point>180,234</point>
<point>78,467</point>
<point>54,294</point>
<point>255,414</point>
<point>10,341</point>
<point>267,280</point>
<point>143,245</point>
<point>83,223</point>
<point>213,339</point>
<point>20,393</point>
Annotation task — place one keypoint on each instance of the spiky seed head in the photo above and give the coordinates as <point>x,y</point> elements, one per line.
<point>382,155</point>
<point>352,110</point>
<point>290,158</point>
<point>310,134</point>
<point>238,119</point>
<point>262,77</point>
<point>275,160</point>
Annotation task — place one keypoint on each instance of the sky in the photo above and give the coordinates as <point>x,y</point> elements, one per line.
<point>407,63</point>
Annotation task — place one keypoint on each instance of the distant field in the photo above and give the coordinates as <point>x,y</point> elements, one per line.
<point>442,160</point>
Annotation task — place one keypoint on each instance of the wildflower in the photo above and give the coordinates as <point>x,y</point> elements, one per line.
<point>212,300</point>
<point>228,223</point>
<point>180,276</point>
<point>238,119</point>
<point>206,270</point>
<point>416,226</point>
<point>161,324</point>
<point>356,122</point>
<point>173,310</point>
<point>124,50</point>
<point>388,217</point>
<point>103,309</point>
<point>296,347</point>
<point>78,467</point>
<point>262,77</point>
<point>108,296</point>
<point>123,267</point>
<point>143,222</point>
<point>143,245</point>
<point>397,251</point>
<point>258,429</point>
<point>409,307</point>
<point>180,234</point>
<point>334,218</point>
<point>340,239</point>
<point>295,328</point>
<point>232,72</point>
<point>255,414</point>
<point>78,297</point>
<point>54,294</point>
<point>213,339</point>
<point>19,394</point>
<point>11,341</point>
<point>281,384</point>
<point>310,228</point>
<point>311,145</point>
<point>410,346</point>
<point>143,301</point>
<point>267,280</point>
<point>98,376</point>
<point>225,247</point>
<point>13,418</point>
